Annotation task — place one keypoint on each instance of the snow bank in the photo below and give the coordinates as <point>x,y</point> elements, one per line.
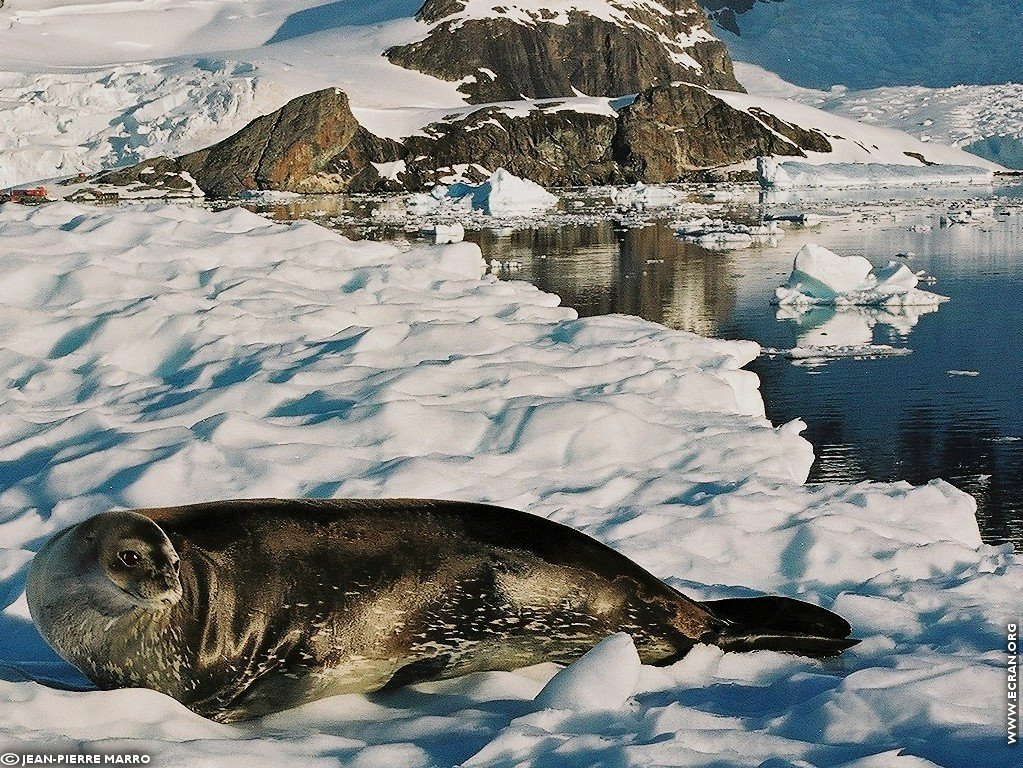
<point>820,276</point>
<point>789,174</point>
<point>167,354</point>
<point>604,678</point>
<point>503,194</point>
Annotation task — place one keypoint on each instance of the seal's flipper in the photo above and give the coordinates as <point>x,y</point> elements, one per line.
<point>780,624</point>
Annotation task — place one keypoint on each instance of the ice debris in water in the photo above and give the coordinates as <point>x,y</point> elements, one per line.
<point>722,234</point>
<point>646,196</point>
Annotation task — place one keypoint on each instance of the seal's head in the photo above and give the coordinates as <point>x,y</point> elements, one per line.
<point>113,562</point>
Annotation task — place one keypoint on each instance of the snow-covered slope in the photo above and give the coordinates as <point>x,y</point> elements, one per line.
<point>987,120</point>
<point>853,141</point>
<point>89,84</point>
<point>169,354</point>
<point>872,43</point>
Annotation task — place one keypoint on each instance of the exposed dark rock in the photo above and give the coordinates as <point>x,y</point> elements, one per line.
<point>670,130</point>
<point>158,173</point>
<point>549,146</point>
<point>506,60</point>
<point>726,12</point>
<point>917,156</point>
<point>312,144</point>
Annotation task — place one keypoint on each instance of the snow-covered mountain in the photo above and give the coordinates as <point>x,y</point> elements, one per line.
<point>86,85</point>
<point>874,43</point>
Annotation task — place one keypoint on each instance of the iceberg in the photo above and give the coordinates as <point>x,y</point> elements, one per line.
<point>820,276</point>
<point>502,195</point>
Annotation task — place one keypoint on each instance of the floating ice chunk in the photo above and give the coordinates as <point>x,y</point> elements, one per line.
<point>503,194</point>
<point>824,274</point>
<point>268,195</point>
<point>646,196</point>
<point>604,678</point>
<point>723,234</point>
<point>788,175</point>
<point>820,276</point>
<point>448,233</point>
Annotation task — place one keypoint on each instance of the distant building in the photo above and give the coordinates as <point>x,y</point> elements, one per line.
<point>90,195</point>
<point>33,195</point>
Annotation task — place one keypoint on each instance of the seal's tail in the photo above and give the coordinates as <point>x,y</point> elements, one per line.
<point>780,624</point>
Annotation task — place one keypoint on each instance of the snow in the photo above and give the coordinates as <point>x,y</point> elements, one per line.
<point>165,354</point>
<point>604,678</point>
<point>62,123</point>
<point>820,276</point>
<point>503,194</point>
<point>774,174</point>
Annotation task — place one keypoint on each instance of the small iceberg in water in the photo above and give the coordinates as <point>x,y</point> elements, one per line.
<point>503,194</point>
<point>820,276</point>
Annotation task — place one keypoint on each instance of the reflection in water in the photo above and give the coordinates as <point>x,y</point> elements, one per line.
<point>823,326</point>
<point>601,269</point>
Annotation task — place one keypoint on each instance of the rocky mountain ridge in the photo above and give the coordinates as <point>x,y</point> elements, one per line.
<point>314,144</point>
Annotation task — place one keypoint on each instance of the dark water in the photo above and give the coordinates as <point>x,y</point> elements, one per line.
<point>891,418</point>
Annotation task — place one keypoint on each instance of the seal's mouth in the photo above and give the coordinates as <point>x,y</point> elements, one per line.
<point>156,590</point>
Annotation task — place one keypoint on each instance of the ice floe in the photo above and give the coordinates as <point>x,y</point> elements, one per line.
<point>646,196</point>
<point>722,234</point>
<point>167,354</point>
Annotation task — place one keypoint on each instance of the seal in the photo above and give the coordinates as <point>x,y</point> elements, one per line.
<point>242,608</point>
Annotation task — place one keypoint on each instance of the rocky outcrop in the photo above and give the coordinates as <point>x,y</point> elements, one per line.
<point>549,145</point>
<point>669,130</point>
<point>313,144</point>
<point>668,133</point>
<point>618,47</point>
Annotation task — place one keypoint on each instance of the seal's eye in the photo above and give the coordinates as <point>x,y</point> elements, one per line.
<point>130,558</point>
